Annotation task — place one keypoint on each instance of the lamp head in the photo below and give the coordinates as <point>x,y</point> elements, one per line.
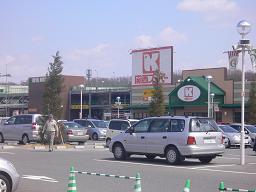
<point>81,86</point>
<point>118,98</point>
<point>243,27</point>
<point>209,77</point>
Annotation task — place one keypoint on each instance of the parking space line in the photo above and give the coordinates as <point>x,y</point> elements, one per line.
<point>178,167</point>
<point>212,166</point>
<point>7,153</point>
<point>229,157</point>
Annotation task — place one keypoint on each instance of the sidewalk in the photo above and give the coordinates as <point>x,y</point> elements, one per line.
<point>90,145</point>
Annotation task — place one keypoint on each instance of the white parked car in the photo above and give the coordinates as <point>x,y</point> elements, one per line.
<point>22,128</point>
<point>172,137</point>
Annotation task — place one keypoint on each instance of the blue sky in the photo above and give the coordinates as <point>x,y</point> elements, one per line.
<point>99,34</point>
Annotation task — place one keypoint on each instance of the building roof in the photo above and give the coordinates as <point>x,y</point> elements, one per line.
<point>202,82</point>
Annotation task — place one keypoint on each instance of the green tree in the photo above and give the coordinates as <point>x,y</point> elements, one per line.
<point>252,104</point>
<point>53,87</point>
<point>157,107</point>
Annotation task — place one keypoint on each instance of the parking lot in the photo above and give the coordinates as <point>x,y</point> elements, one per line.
<point>44,171</point>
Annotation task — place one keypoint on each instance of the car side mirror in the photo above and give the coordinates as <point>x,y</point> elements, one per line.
<point>246,132</point>
<point>6,123</point>
<point>131,130</point>
<point>89,126</point>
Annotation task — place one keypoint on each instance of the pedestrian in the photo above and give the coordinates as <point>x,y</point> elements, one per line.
<point>50,128</point>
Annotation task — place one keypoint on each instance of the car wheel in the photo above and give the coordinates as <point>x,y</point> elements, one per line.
<point>108,140</point>
<point>205,159</point>
<point>5,184</point>
<point>1,138</point>
<point>95,136</point>
<point>119,152</point>
<point>172,155</point>
<point>150,157</point>
<point>24,139</point>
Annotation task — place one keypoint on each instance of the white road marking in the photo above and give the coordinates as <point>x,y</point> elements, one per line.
<point>228,157</point>
<point>41,178</point>
<point>178,167</point>
<point>8,153</point>
<point>212,166</point>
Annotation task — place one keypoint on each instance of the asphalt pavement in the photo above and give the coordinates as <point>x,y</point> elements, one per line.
<point>44,171</point>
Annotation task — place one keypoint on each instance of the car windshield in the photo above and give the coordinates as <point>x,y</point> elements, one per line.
<point>133,121</point>
<point>251,128</point>
<point>203,125</point>
<point>72,125</point>
<point>228,129</point>
<point>100,124</point>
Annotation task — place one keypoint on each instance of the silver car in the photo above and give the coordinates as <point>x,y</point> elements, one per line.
<point>74,132</point>
<point>96,129</point>
<point>233,136</point>
<point>248,129</point>
<point>9,177</point>
<point>22,128</point>
<point>172,137</point>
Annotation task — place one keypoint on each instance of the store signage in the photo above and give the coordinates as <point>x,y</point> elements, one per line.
<point>146,61</point>
<point>189,93</point>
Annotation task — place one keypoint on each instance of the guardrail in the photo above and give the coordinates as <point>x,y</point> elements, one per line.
<point>72,179</point>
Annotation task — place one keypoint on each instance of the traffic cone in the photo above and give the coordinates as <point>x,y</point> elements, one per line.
<point>187,186</point>
<point>137,186</point>
<point>222,187</point>
<point>72,180</point>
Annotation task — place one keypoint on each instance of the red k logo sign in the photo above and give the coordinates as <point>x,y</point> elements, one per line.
<point>188,92</point>
<point>151,61</point>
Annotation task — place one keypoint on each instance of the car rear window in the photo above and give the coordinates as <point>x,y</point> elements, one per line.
<point>203,125</point>
<point>118,125</point>
<point>40,120</point>
<point>100,124</point>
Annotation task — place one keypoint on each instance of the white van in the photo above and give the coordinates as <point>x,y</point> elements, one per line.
<point>117,126</point>
<point>22,128</point>
<point>172,137</point>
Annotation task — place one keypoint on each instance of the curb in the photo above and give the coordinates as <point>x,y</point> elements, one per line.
<point>7,147</point>
<point>39,148</point>
<point>79,147</point>
<point>60,147</point>
<point>99,147</point>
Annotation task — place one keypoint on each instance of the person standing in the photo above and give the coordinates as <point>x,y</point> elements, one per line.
<point>50,128</point>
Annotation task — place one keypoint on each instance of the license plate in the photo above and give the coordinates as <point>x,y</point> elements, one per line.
<point>80,133</point>
<point>208,141</point>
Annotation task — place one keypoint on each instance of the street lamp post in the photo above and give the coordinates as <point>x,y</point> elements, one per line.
<point>81,101</point>
<point>212,105</point>
<point>209,77</point>
<point>243,28</point>
<point>118,103</point>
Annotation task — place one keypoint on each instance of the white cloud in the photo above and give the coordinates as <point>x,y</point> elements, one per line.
<point>97,51</point>
<point>6,59</point>
<point>144,41</point>
<point>168,35</point>
<point>217,11</point>
<point>165,37</point>
<point>208,5</point>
